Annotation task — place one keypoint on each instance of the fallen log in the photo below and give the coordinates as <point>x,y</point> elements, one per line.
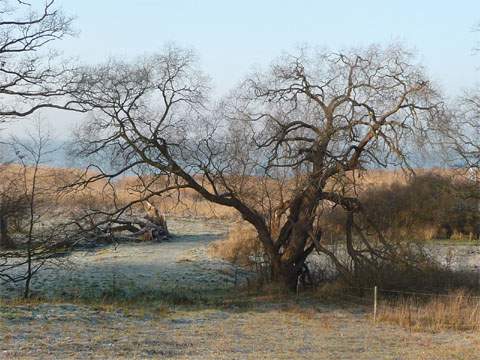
<point>136,230</point>
<point>151,227</point>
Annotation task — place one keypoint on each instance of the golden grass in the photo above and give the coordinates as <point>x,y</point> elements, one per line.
<point>457,311</point>
<point>290,329</point>
<point>240,247</point>
<point>128,187</point>
<point>187,203</point>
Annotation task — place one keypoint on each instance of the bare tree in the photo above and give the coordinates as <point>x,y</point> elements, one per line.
<point>280,149</point>
<point>466,119</point>
<point>463,140</point>
<point>32,75</point>
<point>40,234</point>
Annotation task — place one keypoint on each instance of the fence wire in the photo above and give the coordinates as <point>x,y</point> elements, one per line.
<point>408,292</point>
<point>413,318</point>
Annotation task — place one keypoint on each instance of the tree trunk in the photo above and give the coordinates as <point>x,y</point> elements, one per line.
<point>26,292</point>
<point>286,274</point>
<point>293,246</point>
<point>5,240</point>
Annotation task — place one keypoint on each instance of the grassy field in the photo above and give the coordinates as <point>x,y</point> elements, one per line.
<point>174,300</point>
<point>263,328</point>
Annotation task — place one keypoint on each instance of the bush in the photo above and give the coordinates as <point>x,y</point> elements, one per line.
<point>241,247</point>
<point>426,207</point>
<point>426,276</point>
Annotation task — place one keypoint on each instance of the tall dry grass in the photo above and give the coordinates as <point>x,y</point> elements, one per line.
<point>438,203</point>
<point>456,311</point>
<point>241,246</point>
<point>103,194</point>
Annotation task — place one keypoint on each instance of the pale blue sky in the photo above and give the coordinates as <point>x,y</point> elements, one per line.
<point>232,36</point>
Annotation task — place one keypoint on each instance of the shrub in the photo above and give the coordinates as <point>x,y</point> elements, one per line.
<point>241,247</point>
<point>425,207</point>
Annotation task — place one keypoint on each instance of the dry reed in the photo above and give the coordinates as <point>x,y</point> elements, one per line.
<point>457,311</point>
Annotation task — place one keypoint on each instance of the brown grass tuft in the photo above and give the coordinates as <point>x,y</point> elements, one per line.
<point>240,247</point>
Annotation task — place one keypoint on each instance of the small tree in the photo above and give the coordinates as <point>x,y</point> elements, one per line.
<point>40,235</point>
<point>279,150</point>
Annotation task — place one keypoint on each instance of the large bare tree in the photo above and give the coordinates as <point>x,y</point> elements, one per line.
<point>466,117</point>
<point>279,149</point>
<point>32,75</point>
<point>463,140</point>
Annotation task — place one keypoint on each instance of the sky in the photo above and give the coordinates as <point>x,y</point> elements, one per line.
<point>230,37</point>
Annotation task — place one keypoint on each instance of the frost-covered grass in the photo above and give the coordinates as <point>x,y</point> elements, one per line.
<point>267,328</point>
<point>141,270</point>
<point>173,300</point>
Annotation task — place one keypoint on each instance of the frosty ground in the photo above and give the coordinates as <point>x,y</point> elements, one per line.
<point>179,302</point>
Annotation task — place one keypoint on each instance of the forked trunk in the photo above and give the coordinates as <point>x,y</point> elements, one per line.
<point>294,242</point>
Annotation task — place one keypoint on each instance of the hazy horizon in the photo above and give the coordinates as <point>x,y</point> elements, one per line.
<point>231,38</point>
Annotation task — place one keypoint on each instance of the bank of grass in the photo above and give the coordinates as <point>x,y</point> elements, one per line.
<point>458,310</point>
<point>240,247</point>
<point>466,240</point>
<point>270,328</point>
<point>448,309</point>
<point>171,302</point>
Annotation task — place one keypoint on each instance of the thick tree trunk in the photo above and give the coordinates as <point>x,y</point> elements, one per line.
<point>289,265</point>
<point>286,274</point>
<point>293,244</point>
